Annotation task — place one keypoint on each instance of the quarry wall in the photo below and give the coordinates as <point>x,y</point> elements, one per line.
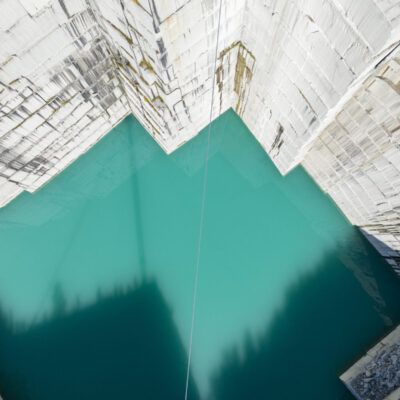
<point>316,82</point>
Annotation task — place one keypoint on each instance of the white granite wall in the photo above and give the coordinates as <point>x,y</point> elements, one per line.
<point>311,55</point>
<point>325,93</point>
<point>59,90</point>
<point>71,69</point>
<point>356,159</point>
<point>316,81</point>
<point>167,52</point>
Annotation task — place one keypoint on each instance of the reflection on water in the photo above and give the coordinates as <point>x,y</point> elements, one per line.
<point>288,290</point>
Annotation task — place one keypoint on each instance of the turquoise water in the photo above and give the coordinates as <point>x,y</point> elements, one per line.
<point>98,267</point>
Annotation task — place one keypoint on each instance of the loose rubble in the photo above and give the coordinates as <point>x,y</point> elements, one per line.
<point>380,377</point>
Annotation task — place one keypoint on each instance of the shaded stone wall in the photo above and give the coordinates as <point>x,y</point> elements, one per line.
<point>316,82</point>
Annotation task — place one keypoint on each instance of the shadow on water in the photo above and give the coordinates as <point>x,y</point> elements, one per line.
<point>128,204</point>
<point>125,346</point>
<point>327,321</point>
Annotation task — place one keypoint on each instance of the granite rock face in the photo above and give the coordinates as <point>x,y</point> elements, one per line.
<point>316,82</point>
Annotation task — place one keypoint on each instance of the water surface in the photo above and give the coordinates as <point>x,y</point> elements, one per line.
<point>97,277</point>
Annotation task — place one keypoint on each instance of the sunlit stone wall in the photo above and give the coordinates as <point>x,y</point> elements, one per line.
<point>327,95</point>
<point>310,56</point>
<point>71,69</point>
<point>316,82</point>
<point>59,90</point>
<point>356,159</point>
<point>166,56</point>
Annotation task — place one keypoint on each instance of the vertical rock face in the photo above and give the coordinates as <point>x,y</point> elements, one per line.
<point>310,55</point>
<point>356,159</point>
<point>59,91</point>
<point>317,82</point>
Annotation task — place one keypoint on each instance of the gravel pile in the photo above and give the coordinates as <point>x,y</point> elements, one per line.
<point>380,377</point>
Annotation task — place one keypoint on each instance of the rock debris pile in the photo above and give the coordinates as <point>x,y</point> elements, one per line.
<point>380,377</point>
